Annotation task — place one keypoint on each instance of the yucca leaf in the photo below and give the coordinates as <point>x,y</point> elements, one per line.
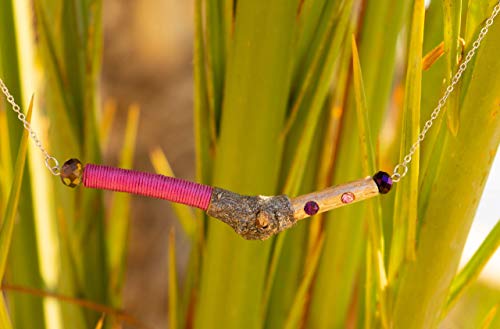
<point>173,307</point>
<point>313,17</point>
<point>216,52</point>
<point>41,8</point>
<point>289,259</point>
<point>329,147</point>
<point>16,228</point>
<point>434,83</point>
<point>370,290</point>
<point>100,323</point>
<point>311,63</point>
<point>368,160</point>
<point>229,7</point>
<point>203,119</point>
<point>496,320</point>
<point>185,214</point>
<point>490,317</point>
<point>474,267</point>
<point>477,11</point>
<point>452,48</point>
<point>432,56</point>
<point>376,251</point>
<point>411,128</point>
<point>367,152</point>
<point>7,224</point>
<point>405,209</point>
<point>378,40</point>
<point>23,259</point>
<point>108,117</point>
<point>257,84</point>
<point>298,307</point>
<point>9,67</point>
<point>336,108</point>
<point>286,270</point>
<point>5,160</point>
<point>271,273</point>
<point>119,214</point>
<point>325,79</point>
<point>4,315</point>
<point>70,282</point>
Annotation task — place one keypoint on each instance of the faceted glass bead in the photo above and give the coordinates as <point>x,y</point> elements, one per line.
<point>72,173</point>
<point>311,208</point>
<point>383,181</point>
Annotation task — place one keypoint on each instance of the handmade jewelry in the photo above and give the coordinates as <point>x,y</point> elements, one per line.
<point>252,217</point>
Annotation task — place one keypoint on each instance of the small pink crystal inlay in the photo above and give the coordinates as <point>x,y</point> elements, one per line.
<point>347,197</point>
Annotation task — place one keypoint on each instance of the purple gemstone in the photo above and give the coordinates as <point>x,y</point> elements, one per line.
<point>311,208</point>
<point>383,181</point>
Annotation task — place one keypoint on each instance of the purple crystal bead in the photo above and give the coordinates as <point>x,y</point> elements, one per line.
<point>383,181</point>
<point>311,208</point>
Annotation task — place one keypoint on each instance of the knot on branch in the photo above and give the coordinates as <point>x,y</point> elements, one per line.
<point>252,217</point>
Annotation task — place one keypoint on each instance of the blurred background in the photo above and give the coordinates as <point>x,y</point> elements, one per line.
<point>147,61</point>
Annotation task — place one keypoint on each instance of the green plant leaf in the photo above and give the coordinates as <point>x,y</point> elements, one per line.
<point>185,214</point>
<point>452,10</point>
<point>257,84</point>
<point>100,323</point>
<point>4,316</point>
<point>173,307</point>
<point>490,317</point>
<point>321,42</point>
<point>7,225</point>
<point>382,22</point>
<point>297,310</point>
<point>216,51</point>
<point>106,124</point>
<point>8,221</point>
<point>119,214</point>
<point>368,163</point>
<point>405,209</point>
<point>288,261</point>
<point>23,255</point>
<point>5,159</point>
<point>474,267</point>
<point>297,170</point>
<point>204,120</point>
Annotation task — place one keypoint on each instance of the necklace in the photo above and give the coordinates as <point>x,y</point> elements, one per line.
<point>252,217</point>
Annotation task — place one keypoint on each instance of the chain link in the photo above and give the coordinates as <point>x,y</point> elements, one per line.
<point>401,169</point>
<point>50,162</point>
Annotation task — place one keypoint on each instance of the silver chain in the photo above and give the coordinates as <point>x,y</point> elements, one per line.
<point>401,169</point>
<point>50,162</point>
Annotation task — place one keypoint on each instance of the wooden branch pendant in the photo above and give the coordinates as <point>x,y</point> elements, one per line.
<point>260,217</point>
<point>252,217</point>
<point>334,197</point>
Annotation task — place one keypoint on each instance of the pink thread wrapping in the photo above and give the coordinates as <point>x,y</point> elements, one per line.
<point>151,185</point>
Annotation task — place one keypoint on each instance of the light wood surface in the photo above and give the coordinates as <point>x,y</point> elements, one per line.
<point>331,197</point>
